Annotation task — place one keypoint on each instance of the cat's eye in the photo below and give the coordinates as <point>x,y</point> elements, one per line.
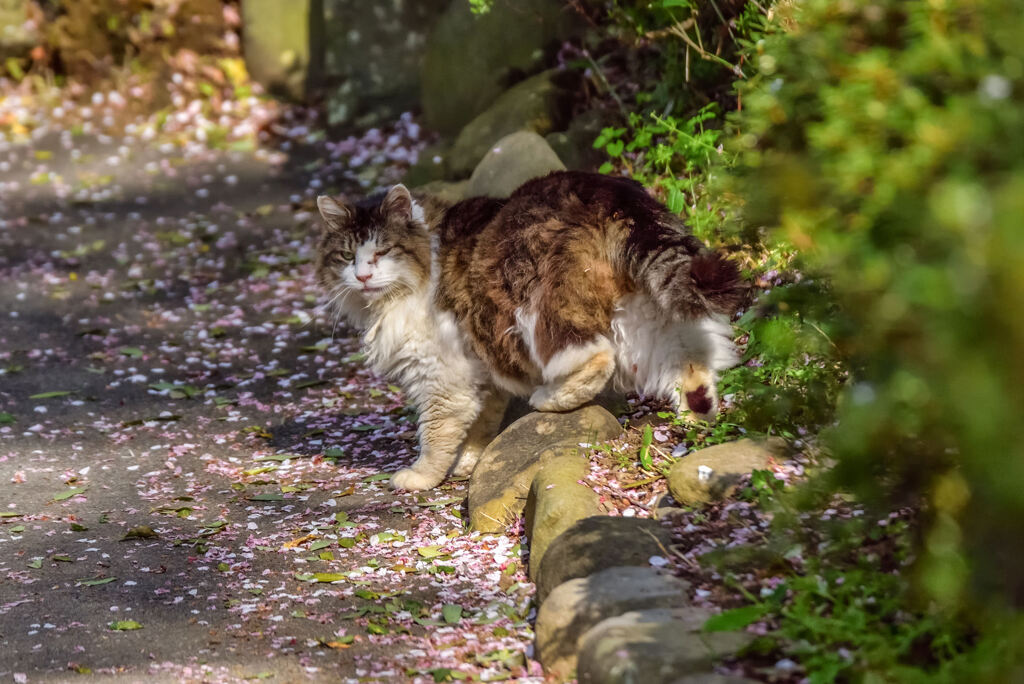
<point>382,252</point>
<point>346,255</point>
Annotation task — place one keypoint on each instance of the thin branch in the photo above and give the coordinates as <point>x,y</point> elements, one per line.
<point>607,86</point>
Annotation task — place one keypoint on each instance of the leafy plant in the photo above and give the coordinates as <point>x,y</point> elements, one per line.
<point>884,140</point>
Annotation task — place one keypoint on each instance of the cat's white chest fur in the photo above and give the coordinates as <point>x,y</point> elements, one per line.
<point>422,348</point>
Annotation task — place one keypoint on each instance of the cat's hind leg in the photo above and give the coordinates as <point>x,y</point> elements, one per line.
<point>483,430</point>
<point>696,395</point>
<point>575,375</point>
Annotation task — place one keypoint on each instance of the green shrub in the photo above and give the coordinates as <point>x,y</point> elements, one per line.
<point>884,139</point>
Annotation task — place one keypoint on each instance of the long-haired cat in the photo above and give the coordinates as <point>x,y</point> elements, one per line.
<point>575,281</point>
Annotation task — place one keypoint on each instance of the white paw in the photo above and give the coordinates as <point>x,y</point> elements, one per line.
<point>467,461</point>
<point>540,398</point>
<point>546,399</point>
<point>413,480</point>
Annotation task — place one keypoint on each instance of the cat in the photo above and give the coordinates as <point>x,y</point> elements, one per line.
<point>575,281</point>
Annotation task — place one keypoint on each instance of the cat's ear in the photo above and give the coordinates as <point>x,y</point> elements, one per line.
<point>336,214</point>
<point>398,203</point>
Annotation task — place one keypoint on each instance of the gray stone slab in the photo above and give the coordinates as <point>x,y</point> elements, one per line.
<point>576,606</point>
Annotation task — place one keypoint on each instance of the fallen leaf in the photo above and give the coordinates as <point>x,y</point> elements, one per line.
<point>96,581</point>
<point>50,395</point>
<point>140,532</point>
<point>298,542</point>
<point>452,613</point>
<point>69,493</point>
<point>124,625</point>
<point>338,644</point>
<point>321,577</point>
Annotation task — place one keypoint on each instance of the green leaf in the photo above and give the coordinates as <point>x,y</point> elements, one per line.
<point>452,613</point>
<point>322,577</point>
<point>96,582</point>
<point>69,493</point>
<point>35,563</point>
<point>676,200</point>
<point>124,625</point>
<point>645,448</point>
<point>6,418</point>
<point>378,477</point>
<point>133,352</point>
<point>50,395</point>
<point>385,537</point>
<point>430,551</point>
<point>735,619</point>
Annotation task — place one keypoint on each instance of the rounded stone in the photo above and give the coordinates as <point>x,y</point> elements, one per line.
<point>536,105</point>
<point>714,473</point>
<point>579,604</point>
<point>654,647</point>
<point>598,543</point>
<point>512,161</point>
<point>556,501</point>
<point>500,483</point>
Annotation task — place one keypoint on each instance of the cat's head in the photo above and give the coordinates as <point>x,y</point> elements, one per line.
<point>371,253</point>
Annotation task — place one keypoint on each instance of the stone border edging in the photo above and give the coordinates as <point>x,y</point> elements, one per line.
<point>604,612</point>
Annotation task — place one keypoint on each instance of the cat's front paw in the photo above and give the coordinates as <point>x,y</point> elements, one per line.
<point>414,480</point>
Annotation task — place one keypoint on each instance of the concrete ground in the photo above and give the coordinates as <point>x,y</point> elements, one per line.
<point>186,445</point>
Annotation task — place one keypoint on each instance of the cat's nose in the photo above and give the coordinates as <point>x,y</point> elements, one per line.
<point>363,278</point>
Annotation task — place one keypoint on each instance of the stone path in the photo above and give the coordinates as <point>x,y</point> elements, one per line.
<point>186,446</point>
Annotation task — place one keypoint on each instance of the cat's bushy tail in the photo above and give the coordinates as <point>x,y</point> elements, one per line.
<point>685,278</point>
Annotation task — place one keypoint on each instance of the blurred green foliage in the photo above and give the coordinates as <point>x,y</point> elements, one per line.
<point>871,167</point>
<point>884,140</point>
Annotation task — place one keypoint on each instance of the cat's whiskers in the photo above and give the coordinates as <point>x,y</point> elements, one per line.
<point>325,307</point>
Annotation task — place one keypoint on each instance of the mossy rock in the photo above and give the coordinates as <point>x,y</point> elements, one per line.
<point>470,60</point>
<point>537,104</point>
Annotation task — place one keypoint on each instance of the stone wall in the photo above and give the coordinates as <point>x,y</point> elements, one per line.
<point>374,60</point>
<point>373,53</point>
